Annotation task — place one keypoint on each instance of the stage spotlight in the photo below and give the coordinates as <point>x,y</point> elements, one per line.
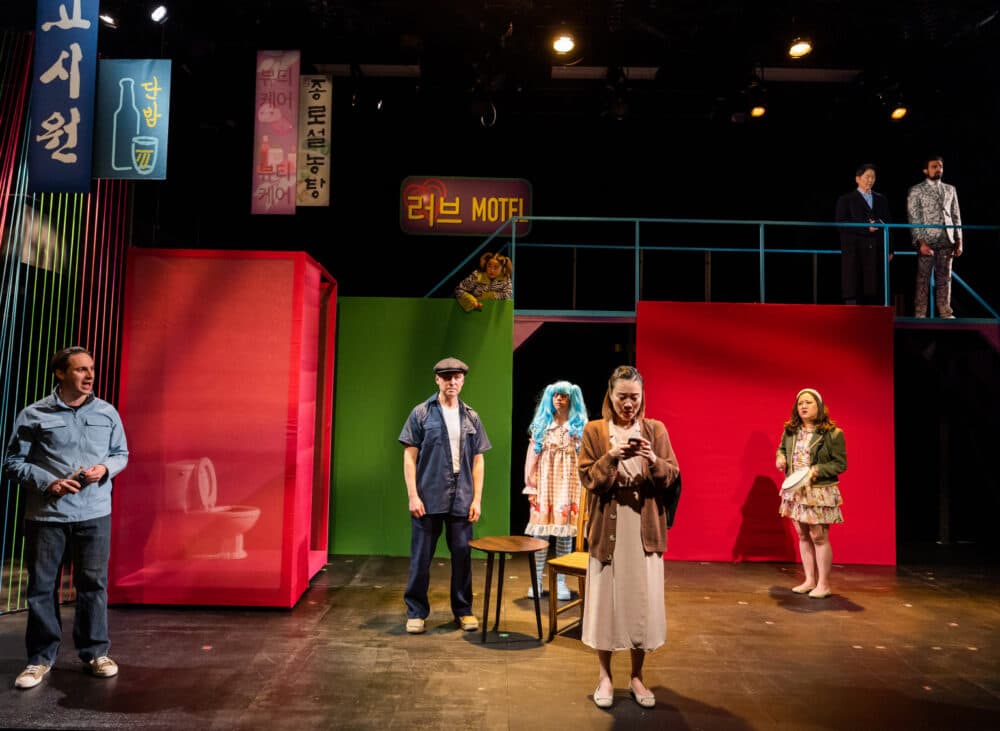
<point>800,47</point>
<point>563,43</point>
<point>892,100</point>
<point>159,14</point>
<point>109,20</point>
<point>756,96</point>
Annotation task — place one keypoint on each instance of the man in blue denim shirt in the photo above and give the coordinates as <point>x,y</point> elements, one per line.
<point>64,451</point>
<point>443,466</point>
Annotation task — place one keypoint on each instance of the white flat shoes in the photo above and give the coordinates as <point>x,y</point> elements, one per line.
<point>603,701</point>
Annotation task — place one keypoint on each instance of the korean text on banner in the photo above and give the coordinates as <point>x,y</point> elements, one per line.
<point>133,114</point>
<point>275,127</point>
<point>313,184</point>
<point>62,96</point>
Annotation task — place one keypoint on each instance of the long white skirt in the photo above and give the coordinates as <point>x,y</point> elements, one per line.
<point>624,607</point>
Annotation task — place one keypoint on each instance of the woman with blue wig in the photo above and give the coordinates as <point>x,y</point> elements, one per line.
<point>552,473</point>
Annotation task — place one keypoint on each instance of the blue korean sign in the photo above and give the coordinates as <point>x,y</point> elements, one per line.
<point>62,96</point>
<point>133,111</point>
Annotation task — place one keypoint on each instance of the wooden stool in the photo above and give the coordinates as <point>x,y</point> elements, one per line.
<point>503,545</point>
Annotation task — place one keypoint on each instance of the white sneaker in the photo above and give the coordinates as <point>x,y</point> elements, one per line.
<point>415,626</point>
<point>531,592</point>
<point>102,667</point>
<point>562,591</point>
<point>31,676</point>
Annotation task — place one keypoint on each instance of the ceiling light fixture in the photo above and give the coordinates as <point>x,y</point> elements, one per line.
<point>892,100</point>
<point>109,20</point>
<point>800,47</point>
<point>159,14</point>
<point>563,43</point>
<point>756,95</point>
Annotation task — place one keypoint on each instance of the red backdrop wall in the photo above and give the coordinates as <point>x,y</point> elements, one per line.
<point>723,377</point>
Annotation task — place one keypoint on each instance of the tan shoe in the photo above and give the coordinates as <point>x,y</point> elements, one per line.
<point>102,667</point>
<point>468,623</point>
<point>31,676</point>
<point>415,626</point>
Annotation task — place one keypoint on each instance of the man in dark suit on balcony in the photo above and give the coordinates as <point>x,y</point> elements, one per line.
<point>862,251</point>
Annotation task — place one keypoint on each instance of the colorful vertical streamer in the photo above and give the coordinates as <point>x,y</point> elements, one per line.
<point>62,258</point>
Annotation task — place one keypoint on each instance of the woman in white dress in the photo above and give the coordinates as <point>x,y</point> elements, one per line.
<point>629,470</point>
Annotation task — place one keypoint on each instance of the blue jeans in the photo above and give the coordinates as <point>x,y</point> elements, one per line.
<point>88,545</point>
<point>423,541</point>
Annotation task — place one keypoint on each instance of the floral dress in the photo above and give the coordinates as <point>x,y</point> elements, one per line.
<point>812,504</point>
<point>557,475</point>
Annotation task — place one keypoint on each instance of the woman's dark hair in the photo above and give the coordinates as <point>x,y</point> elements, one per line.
<point>623,373</point>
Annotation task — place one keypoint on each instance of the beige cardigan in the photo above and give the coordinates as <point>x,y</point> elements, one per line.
<point>598,472</point>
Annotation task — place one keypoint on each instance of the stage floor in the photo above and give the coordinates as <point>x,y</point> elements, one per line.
<point>906,647</point>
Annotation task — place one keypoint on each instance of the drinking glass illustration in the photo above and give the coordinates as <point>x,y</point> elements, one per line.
<point>144,151</point>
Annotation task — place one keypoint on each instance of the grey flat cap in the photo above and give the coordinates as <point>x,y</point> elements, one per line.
<point>450,365</point>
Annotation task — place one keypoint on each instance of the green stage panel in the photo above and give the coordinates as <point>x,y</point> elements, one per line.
<point>386,351</point>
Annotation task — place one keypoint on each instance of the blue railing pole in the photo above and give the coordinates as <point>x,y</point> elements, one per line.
<point>513,250</point>
<point>760,237</point>
<point>638,250</point>
<point>885,265</point>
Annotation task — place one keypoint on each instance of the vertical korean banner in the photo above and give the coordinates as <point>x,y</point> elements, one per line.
<point>315,109</point>
<point>275,128</point>
<point>133,114</point>
<point>62,96</point>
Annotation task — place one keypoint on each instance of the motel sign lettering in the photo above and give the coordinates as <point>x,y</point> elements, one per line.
<point>464,206</point>
<point>496,210</point>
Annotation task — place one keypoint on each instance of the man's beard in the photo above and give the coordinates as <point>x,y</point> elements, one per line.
<point>935,176</point>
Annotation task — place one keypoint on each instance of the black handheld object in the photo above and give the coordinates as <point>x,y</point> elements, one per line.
<point>635,442</point>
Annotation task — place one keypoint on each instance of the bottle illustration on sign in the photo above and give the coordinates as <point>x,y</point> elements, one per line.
<point>265,156</point>
<point>125,126</point>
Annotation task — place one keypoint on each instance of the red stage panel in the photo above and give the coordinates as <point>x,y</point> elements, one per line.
<point>723,378</point>
<point>225,500</point>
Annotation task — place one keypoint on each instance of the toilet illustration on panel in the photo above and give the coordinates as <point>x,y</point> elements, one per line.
<point>190,522</point>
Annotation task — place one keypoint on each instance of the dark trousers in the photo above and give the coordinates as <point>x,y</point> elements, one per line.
<point>860,272</point>
<point>88,544</point>
<point>423,541</point>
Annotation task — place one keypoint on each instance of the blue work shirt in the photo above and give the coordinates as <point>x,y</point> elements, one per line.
<point>436,483</point>
<point>53,441</point>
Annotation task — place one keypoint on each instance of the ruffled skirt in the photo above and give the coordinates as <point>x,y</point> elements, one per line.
<point>812,504</point>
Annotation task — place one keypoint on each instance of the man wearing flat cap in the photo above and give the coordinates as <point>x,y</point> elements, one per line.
<point>443,466</point>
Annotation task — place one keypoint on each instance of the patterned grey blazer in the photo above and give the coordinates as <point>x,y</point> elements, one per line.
<point>928,203</point>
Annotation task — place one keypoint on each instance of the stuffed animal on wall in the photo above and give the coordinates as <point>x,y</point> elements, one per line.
<point>491,281</point>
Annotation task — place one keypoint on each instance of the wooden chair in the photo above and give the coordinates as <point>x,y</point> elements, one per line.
<point>572,564</point>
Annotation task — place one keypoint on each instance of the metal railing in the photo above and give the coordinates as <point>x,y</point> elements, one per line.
<point>760,238</point>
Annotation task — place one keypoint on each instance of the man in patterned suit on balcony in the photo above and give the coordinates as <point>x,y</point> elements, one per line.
<point>928,203</point>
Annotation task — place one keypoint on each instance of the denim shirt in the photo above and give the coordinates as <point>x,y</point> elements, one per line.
<point>425,429</point>
<point>52,441</point>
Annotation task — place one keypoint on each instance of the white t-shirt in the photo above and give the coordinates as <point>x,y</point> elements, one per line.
<point>453,424</point>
